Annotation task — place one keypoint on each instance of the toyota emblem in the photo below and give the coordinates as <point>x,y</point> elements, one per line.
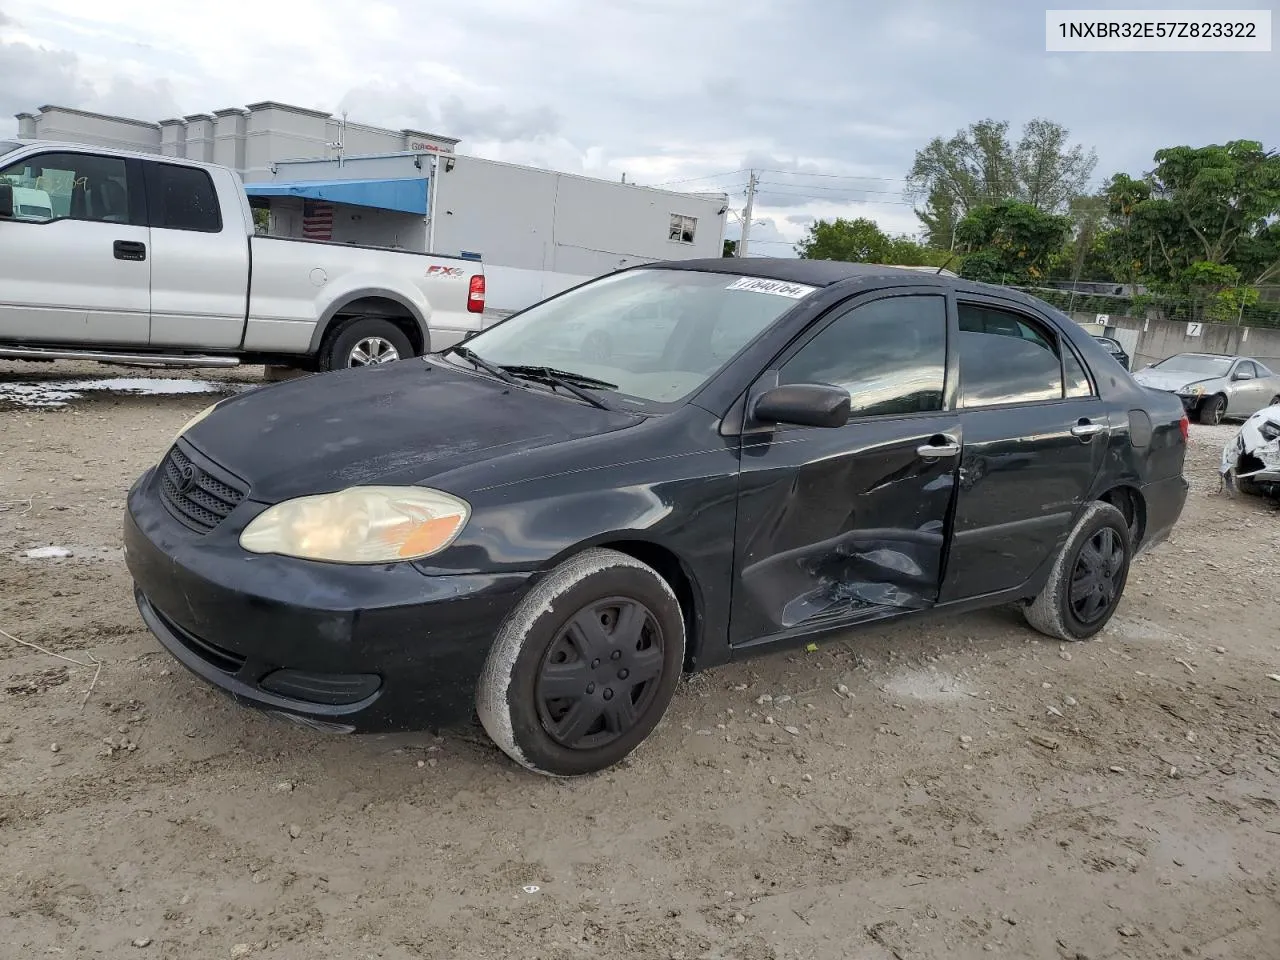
<point>188,478</point>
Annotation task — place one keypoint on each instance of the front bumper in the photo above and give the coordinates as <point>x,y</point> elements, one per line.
<point>339,647</point>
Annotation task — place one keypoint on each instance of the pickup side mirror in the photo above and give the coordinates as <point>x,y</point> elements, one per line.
<point>804,405</point>
<point>6,200</point>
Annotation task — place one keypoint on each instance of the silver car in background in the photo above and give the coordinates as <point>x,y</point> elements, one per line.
<point>1213,386</point>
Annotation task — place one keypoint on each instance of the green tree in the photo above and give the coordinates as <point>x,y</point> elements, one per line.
<point>1201,225</point>
<point>730,248</point>
<point>1010,242</point>
<point>981,166</point>
<point>862,241</point>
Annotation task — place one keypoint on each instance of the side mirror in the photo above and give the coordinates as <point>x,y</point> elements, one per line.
<point>804,405</point>
<point>6,200</point>
<point>1241,375</point>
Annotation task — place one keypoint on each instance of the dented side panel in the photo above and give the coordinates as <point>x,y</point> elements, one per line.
<point>840,524</point>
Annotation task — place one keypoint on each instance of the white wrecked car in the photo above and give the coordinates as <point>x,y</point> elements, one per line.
<point>1251,462</point>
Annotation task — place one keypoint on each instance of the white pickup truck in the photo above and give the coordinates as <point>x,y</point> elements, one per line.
<point>120,256</point>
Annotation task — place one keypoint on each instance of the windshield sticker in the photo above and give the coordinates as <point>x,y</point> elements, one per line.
<point>779,288</point>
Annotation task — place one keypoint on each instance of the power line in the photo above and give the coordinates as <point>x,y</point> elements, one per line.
<point>709,176</point>
<point>805,186</point>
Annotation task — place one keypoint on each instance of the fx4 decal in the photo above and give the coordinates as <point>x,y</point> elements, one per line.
<point>438,271</point>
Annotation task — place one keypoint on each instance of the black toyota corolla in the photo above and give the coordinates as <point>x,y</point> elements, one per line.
<point>658,471</point>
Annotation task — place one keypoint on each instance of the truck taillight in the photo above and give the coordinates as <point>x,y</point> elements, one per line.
<point>1184,425</point>
<point>475,299</point>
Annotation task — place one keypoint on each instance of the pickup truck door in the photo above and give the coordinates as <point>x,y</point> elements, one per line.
<point>74,263</point>
<point>200,256</point>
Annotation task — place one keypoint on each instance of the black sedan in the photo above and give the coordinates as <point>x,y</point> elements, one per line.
<point>550,534</point>
<point>1114,348</point>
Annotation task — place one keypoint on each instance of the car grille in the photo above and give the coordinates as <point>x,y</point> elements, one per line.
<point>198,494</point>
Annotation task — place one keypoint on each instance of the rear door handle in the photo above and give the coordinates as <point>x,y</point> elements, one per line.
<point>949,447</point>
<point>1087,428</point>
<point>129,250</point>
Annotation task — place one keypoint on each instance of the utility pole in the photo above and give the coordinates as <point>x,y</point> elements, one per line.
<point>746,214</point>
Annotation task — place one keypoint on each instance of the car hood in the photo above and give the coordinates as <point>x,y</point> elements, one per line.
<point>402,423</point>
<point>1174,380</point>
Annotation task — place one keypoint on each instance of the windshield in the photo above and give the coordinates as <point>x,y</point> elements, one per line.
<point>657,334</point>
<point>1191,363</point>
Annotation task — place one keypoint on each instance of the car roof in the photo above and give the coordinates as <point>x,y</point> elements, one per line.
<point>111,152</point>
<point>813,273</point>
<point>1211,356</point>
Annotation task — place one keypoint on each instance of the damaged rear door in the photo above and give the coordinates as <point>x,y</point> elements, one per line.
<point>844,524</point>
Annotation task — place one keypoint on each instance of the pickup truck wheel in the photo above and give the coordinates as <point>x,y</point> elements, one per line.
<point>1088,577</point>
<point>364,342</point>
<point>584,667</point>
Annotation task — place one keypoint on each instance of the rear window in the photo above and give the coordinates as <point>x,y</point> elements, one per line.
<point>182,198</point>
<point>7,146</point>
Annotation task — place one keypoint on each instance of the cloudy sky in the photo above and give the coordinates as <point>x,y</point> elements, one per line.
<point>829,99</point>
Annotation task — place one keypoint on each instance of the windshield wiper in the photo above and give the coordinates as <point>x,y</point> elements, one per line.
<point>466,353</point>
<point>573,382</point>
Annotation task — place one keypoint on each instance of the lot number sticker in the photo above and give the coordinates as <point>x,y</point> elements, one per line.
<point>779,288</point>
<point>1193,329</point>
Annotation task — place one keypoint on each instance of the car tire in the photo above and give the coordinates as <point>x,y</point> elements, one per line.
<point>542,649</point>
<point>1212,409</point>
<point>1097,554</point>
<point>380,340</point>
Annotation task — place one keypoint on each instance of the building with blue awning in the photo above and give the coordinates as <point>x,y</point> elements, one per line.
<point>404,195</point>
<point>537,231</point>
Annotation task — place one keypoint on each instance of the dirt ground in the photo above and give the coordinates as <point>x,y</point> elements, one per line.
<point>954,787</point>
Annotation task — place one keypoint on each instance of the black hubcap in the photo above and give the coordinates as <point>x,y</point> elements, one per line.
<point>1095,581</point>
<point>600,673</point>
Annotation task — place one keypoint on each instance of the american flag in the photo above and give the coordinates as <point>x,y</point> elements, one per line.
<point>317,220</point>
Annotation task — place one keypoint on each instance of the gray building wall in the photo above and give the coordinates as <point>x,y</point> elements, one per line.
<point>1149,341</point>
<point>247,139</point>
<point>541,232</point>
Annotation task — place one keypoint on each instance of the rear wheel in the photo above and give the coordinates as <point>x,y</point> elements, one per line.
<point>1212,410</point>
<point>364,342</point>
<point>1088,578</point>
<point>584,667</point>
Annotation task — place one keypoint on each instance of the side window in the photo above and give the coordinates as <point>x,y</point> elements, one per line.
<point>182,198</point>
<point>890,354</point>
<point>1077,381</point>
<point>74,186</point>
<point>1246,371</point>
<point>1006,358</point>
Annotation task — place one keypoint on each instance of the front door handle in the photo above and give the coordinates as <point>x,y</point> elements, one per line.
<point>1087,428</point>
<point>129,250</point>
<point>939,447</point>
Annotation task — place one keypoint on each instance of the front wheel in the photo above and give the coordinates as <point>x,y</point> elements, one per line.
<point>1212,410</point>
<point>584,667</point>
<point>1088,578</point>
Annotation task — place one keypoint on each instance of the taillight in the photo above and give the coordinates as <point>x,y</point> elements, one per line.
<point>475,299</point>
<point>1184,427</point>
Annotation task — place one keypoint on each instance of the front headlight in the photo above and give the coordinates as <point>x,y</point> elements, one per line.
<point>194,420</point>
<point>359,525</point>
<point>1194,390</point>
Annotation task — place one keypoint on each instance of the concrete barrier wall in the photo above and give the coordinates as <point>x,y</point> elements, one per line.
<point>1157,339</point>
